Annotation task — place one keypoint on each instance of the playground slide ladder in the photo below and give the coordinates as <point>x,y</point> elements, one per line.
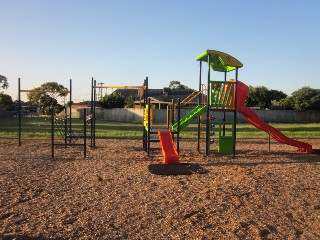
<point>190,117</point>
<point>189,98</point>
<point>193,95</point>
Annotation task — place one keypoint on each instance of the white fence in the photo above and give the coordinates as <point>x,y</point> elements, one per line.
<point>160,115</point>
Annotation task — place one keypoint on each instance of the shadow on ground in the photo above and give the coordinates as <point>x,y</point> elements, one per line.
<point>176,169</point>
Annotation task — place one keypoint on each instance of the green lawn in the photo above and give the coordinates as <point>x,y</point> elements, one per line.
<point>40,127</point>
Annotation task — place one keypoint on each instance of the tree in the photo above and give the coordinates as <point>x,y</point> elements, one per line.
<point>130,102</point>
<point>283,104</point>
<point>114,100</point>
<point>306,98</point>
<point>276,95</point>
<point>3,82</point>
<point>46,95</point>
<point>262,97</point>
<point>177,85</point>
<point>6,101</point>
<point>258,97</point>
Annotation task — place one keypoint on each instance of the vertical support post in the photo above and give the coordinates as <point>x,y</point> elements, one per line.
<point>172,113</point>
<point>85,133</point>
<point>91,112</point>
<point>19,111</point>
<point>70,117</point>
<point>178,129</point>
<point>52,133</point>
<point>66,133</point>
<point>199,102</point>
<point>269,143</point>
<point>235,114</point>
<point>147,87</point>
<point>94,113</point>
<point>149,125</point>
<point>145,102</point>
<point>168,117</point>
<point>208,109</point>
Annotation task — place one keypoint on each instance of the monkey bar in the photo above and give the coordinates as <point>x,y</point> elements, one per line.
<point>38,91</point>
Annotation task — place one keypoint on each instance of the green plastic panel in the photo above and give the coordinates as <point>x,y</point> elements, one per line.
<point>222,94</point>
<point>220,61</point>
<point>189,118</point>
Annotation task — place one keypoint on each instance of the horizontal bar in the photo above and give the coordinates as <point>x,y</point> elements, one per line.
<point>44,91</point>
<point>130,87</point>
<point>69,144</point>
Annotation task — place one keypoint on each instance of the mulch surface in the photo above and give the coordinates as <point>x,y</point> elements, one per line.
<point>118,192</point>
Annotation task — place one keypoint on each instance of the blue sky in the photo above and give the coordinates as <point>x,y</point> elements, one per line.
<point>120,42</point>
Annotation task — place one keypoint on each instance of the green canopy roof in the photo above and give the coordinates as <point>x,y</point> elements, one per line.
<point>220,61</point>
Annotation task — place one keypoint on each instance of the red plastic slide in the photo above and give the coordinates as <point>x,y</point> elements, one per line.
<point>254,119</point>
<point>275,133</point>
<point>169,152</point>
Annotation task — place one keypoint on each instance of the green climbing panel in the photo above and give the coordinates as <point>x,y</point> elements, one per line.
<point>226,139</point>
<point>222,94</point>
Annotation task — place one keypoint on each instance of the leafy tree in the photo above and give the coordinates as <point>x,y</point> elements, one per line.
<point>46,95</point>
<point>3,82</point>
<point>114,100</point>
<point>6,101</point>
<point>258,97</point>
<point>130,102</point>
<point>177,85</point>
<point>262,97</point>
<point>276,95</point>
<point>306,98</point>
<point>283,104</point>
<point>49,102</point>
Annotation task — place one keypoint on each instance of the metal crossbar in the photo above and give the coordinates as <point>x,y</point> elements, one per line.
<point>66,133</point>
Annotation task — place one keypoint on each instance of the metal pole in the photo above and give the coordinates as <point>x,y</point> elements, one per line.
<point>91,108</point>
<point>52,134</point>
<point>208,109</point>
<point>19,111</point>
<point>168,117</point>
<point>66,129</point>
<point>172,113</point>
<point>94,114</point>
<point>199,102</point>
<point>70,118</point>
<point>145,94</point>
<point>178,133</point>
<point>84,133</point>
<point>235,115</point>
<point>148,135</point>
<point>269,143</point>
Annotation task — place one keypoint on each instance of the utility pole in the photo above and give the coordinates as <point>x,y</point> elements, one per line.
<point>100,90</point>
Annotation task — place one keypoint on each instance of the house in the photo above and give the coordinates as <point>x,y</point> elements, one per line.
<point>161,98</point>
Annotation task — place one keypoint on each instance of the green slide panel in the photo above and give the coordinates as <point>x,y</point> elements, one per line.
<point>190,117</point>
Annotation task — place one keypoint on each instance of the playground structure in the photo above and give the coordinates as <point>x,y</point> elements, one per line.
<point>226,96</point>
<point>223,96</point>
<point>142,91</point>
<point>68,136</point>
<point>164,136</point>
<point>63,122</point>
<point>21,115</point>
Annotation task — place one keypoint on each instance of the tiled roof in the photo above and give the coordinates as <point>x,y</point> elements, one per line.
<point>161,95</point>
